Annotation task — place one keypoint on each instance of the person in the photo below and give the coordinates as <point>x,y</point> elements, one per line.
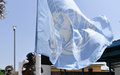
<point>29,68</point>
<point>8,70</point>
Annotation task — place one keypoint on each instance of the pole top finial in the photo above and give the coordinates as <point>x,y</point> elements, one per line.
<point>14,27</point>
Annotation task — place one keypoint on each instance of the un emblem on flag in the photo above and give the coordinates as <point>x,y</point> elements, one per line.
<point>72,30</point>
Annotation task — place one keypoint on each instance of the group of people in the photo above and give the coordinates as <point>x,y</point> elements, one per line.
<point>28,68</point>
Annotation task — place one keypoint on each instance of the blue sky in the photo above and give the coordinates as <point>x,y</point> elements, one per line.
<point>22,13</point>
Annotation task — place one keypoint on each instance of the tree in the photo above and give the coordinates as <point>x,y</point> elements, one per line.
<point>2,8</point>
<point>1,73</point>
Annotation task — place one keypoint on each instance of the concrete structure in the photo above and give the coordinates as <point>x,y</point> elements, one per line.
<point>46,70</point>
<point>117,71</point>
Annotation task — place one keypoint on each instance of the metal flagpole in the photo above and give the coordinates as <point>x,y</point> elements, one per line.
<point>38,56</point>
<point>14,29</point>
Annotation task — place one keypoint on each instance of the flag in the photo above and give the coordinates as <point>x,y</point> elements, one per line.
<point>68,37</point>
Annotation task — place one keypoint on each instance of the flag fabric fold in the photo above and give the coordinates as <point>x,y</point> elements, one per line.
<point>67,37</point>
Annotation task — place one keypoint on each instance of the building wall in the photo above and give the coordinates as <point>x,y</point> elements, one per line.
<point>117,71</point>
<point>80,73</point>
<point>46,70</point>
<point>96,68</point>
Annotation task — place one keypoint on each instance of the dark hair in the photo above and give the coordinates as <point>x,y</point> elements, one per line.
<point>30,54</point>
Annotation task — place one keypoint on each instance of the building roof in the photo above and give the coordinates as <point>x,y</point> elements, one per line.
<point>112,54</point>
<point>115,43</point>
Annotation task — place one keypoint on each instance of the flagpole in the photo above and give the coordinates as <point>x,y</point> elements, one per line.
<point>38,56</point>
<point>14,29</point>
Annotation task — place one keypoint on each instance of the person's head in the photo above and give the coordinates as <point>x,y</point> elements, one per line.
<point>31,57</point>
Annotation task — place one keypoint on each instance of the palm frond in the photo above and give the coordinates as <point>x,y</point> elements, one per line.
<point>2,9</point>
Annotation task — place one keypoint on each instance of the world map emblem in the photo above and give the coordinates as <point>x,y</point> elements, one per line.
<point>71,27</point>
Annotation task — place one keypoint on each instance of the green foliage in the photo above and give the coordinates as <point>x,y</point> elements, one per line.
<point>1,73</point>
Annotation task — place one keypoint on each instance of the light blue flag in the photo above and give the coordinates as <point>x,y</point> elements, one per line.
<point>67,37</point>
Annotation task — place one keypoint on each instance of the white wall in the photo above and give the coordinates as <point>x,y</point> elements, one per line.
<point>117,71</point>
<point>46,70</point>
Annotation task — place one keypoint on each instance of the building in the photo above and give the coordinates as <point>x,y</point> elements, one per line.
<point>111,56</point>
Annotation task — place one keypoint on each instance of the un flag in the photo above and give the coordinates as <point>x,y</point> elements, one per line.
<point>68,37</point>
